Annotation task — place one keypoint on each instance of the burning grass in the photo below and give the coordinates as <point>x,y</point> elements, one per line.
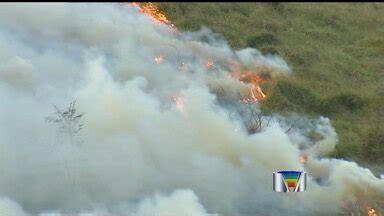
<point>333,52</point>
<point>128,121</point>
<point>153,12</point>
<point>252,79</point>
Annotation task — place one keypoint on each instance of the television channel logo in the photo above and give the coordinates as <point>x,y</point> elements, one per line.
<point>289,181</point>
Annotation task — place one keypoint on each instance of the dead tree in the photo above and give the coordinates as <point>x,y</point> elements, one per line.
<point>68,121</point>
<point>255,121</point>
<point>69,125</point>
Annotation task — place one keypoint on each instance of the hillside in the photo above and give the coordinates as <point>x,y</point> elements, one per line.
<point>336,53</point>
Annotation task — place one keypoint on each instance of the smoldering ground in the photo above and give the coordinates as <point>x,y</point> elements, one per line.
<point>158,137</point>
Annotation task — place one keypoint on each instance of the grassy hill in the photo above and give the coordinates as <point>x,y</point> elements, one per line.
<point>336,52</point>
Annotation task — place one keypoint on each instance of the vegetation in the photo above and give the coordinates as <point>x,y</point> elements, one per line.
<point>68,121</point>
<point>336,52</point>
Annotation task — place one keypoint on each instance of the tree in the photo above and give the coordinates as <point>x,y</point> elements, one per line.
<point>68,121</point>
<point>255,121</point>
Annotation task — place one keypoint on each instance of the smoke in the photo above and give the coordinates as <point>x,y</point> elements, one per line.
<point>158,137</point>
<point>180,202</point>
<point>10,208</point>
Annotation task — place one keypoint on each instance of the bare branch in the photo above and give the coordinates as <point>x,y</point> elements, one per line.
<point>67,121</point>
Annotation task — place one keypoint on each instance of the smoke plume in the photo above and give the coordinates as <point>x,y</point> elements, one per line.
<point>162,131</point>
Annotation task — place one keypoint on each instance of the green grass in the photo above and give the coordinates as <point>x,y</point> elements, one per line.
<point>336,51</point>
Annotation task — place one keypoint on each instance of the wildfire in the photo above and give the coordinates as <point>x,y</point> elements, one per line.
<point>372,212</point>
<point>254,80</point>
<point>180,104</point>
<point>209,63</point>
<point>256,92</point>
<point>152,11</point>
<point>158,59</point>
<point>303,158</point>
<point>359,208</point>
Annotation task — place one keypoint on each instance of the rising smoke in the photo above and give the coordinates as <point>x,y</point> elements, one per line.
<point>162,131</point>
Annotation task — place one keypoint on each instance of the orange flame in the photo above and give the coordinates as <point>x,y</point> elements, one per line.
<point>372,212</point>
<point>303,159</point>
<point>254,81</point>
<point>158,59</point>
<point>255,92</point>
<point>153,12</point>
<point>179,102</point>
<point>359,208</point>
<point>209,63</point>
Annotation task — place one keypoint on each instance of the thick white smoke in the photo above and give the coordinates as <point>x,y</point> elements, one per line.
<point>157,136</point>
<point>180,202</point>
